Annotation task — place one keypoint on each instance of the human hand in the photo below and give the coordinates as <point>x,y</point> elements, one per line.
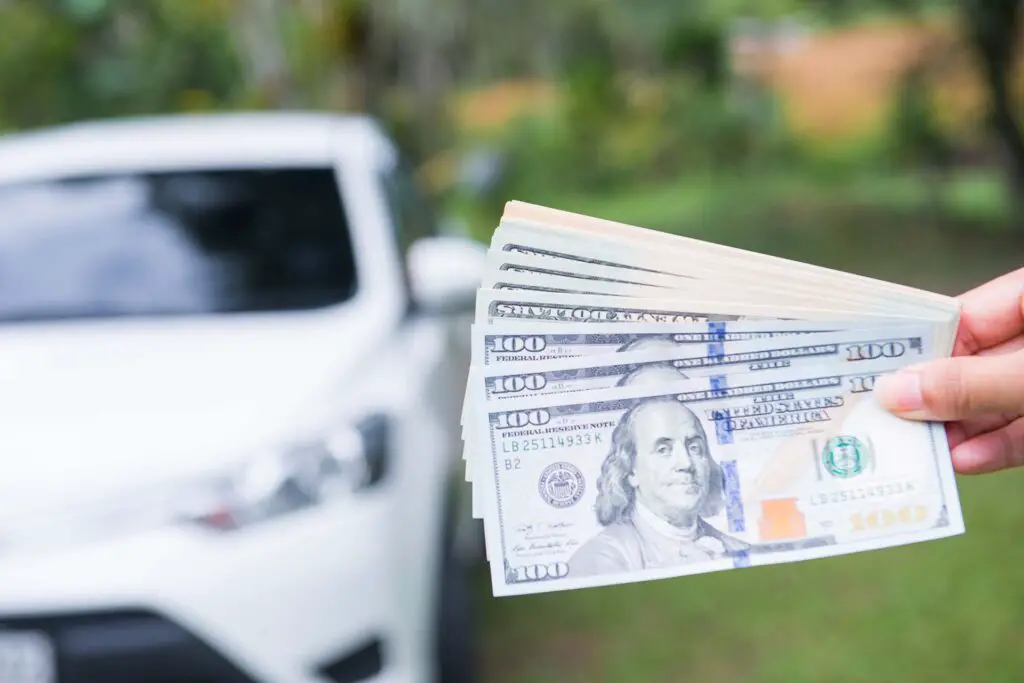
<point>979,392</point>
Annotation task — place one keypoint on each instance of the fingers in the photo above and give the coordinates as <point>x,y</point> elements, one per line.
<point>959,432</point>
<point>980,391</point>
<point>993,451</point>
<point>1009,346</point>
<point>955,388</point>
<point>991,314</point>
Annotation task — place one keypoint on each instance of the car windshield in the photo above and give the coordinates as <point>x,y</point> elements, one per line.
<point>177,243</point>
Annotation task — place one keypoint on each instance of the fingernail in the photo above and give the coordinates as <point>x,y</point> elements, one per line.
<point>973,457</point>
<point>900,392</point>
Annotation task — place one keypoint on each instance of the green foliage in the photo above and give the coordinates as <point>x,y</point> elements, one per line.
<point>35,53</point>
<point>648,94</point>
<point>682,127</point>
<point>699,47</point>
<point>916,134</point>
<point>73,59</point>
<point>539,156</point>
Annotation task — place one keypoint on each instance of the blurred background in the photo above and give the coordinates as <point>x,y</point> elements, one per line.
<point>810,128</point>
<point>881,137</point>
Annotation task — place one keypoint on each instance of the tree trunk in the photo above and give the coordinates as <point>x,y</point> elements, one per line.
<point>993,27</point>
<point>263,53</point>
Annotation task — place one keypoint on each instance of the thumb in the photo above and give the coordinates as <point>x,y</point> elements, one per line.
<point>955,388</point>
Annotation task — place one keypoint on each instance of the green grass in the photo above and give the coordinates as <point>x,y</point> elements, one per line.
<point>933,612</point>
<point>940,611</point>
<point>948,610</point>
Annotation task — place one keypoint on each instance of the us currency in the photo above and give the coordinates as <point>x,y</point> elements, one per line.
<point>561,284</point>
<point>567,284</point>
<point>513,270</point>
<point>648,482</point>
<point>840,289</point>
<point>696,290</point>
<point>517,341</point>
<point>520,341</point>
<point>542,307</point>
<point>521,271</point>
<point>514,341</point>
<point>526,341</point>
<point>514,381</point>
<point>495,305</point>
<point>698,258</point>
<point>670,361</point>
<point>499,262</point>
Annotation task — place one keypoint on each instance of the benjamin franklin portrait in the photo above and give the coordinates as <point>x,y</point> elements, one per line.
<point>657,484</point>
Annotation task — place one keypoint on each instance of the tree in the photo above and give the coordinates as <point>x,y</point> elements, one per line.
<point>993,29</point>
<point>63,60</point>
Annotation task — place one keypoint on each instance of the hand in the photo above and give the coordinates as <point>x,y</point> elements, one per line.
<point>979,392</point>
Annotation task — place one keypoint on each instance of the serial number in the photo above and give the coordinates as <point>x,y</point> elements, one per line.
<point>549,443</point>
<point>862,493</point>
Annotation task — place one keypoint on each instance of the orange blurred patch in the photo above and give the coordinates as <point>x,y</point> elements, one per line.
<point>497,105</point>
<point>842,84</point>
<point>781,519</point>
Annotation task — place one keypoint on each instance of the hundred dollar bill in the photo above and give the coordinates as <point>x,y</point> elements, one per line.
<point>516,270</point>
<point>520,341</point>
<point>494,305</point>
<point>527,272</point>
<point>655,481</point>
<point>840,289</point>
<point>517,341</point>
<point>561,284</point>
<point>672,362</point>
<point>540,307</point>
<point>696,254</point>
<point>507,262</point>
<point>513,381</point>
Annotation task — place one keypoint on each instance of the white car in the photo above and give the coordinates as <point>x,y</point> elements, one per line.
<point>232,351</point>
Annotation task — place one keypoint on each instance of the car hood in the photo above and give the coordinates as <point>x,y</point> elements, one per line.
<point>95,409</point>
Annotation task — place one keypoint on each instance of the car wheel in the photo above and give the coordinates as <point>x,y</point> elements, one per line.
<point>457,656</point>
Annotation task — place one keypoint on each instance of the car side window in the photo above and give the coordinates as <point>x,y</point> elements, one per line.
<point>412,215</point>
<point>411,211</point>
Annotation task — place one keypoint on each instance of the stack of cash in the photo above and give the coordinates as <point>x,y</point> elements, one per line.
<point>644,406</point>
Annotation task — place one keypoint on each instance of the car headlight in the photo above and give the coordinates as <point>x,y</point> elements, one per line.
<point>338,463</point>
<point>293,478</point>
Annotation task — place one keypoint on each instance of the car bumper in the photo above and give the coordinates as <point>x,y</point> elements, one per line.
<point>311,597</point>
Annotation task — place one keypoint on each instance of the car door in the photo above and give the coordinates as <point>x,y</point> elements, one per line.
<point>419,373</point>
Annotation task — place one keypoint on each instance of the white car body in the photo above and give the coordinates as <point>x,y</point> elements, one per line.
<point>112,425</point>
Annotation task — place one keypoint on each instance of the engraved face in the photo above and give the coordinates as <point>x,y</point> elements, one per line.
<point>673,469</point>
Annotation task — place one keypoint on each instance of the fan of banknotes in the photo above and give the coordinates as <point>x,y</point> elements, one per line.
<point>645,406</point>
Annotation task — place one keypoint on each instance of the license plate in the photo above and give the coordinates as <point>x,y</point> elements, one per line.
<point>26,657</point>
